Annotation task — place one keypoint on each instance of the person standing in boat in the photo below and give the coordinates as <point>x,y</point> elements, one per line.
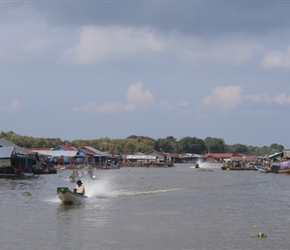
<point>80,189</point>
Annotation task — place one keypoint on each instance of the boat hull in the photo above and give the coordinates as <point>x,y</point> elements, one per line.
<point>69,197</point>
<point>18,176</point>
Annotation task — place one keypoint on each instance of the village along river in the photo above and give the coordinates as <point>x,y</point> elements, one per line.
<point>149,208</point>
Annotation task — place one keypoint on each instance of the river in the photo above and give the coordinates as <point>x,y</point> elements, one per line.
<point>149,208</point>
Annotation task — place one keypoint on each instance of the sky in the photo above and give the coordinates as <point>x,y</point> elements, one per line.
<point>115,68</point>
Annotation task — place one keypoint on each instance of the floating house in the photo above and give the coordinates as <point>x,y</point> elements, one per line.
<point>152,158</point>
<point>19,158</point>
<point>91,156</point>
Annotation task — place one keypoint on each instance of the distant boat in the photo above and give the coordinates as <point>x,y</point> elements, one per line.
<point>279,162</point>
<point>18,176</point>
<point>279,167</point>
<point>261,169</point>
<point>44,171</point>
<point>69,197</point>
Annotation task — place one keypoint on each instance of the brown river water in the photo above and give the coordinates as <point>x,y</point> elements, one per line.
<point>149,208</point>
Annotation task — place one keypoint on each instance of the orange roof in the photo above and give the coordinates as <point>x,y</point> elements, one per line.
<point>221,155</point>
<point>69,148</point>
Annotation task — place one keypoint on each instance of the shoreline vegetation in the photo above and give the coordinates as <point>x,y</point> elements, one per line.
<point>134,144</point>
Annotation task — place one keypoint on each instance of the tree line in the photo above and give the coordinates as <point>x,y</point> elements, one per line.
<point>144,144</point>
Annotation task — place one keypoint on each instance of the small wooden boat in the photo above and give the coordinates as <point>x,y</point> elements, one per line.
<point>262,169</point>
<point>18,176</point>
<point>279,167</point>
<point>44,171</point>
<point>238,168</point>
<point>69,197</point>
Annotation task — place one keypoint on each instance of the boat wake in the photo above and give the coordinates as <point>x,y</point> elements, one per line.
<point>99,188</point>
<point>132,193</point>
<point>207,165</point>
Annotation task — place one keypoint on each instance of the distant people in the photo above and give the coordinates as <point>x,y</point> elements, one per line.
<point>72,175</point>
<point>91,173</point>
<point>80,189</point>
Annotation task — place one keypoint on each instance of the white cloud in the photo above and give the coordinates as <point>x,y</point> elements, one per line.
<point>225,97</point>
<point>108,107</point>
<point>136,98</point>
<point>259,98</point>
<point>102,44</point>
<point>13,106</point>
<point>168,106</point>
<point>282,99</point>
<point>229,97</point>
<point>265,98</point>
<point>277,59</point>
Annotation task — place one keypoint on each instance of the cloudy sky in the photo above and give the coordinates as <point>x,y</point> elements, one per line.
<point>93,69</point>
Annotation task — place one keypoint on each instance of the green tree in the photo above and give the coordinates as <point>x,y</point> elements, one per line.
<point>169,144</point>
<point>215,145</point>
<point>239,149</point>
<point>191,145</point>
<point>277,147</point>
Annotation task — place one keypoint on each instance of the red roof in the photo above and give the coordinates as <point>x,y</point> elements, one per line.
<point>224,155</point>
<point>68,148</point>
<point>87,151</point>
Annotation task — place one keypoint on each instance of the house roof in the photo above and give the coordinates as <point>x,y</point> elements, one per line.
<point>6,152</point>
<point>187,155</point>
<point>286,154</point>
<point>93,150</point>
<point>223,155</point>
<point>140,157</point>
<point>86,151</point>
<point>19,150</point>
<point>56,153</point>
<point>64,147</point>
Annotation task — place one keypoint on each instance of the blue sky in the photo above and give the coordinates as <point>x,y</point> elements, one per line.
<point>93,69</point>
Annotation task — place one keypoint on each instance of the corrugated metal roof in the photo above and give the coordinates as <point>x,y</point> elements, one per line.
<point>18,149</point>
<point>64,147</point>
<point>140,157</point>
<point>87,151</point>
<point>56,153</point>
<point>275,154</point>
<point>6,152</point>
<point>286,154</point>
<point>98,152</point>
<point>221,155</point>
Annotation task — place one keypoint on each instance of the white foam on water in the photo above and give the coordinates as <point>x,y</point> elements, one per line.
<point>128,193</point>
<point>98,188</point>
<point>52,200</point>
<point>207,165</point>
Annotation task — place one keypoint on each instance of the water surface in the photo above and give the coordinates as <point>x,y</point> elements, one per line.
<point>149,208</point>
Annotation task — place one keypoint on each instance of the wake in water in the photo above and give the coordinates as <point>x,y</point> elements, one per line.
<point>99,188</point>
<point>105,189</point>
<point>207,165</point>
<point>132,193</point>
<point>108,188</point>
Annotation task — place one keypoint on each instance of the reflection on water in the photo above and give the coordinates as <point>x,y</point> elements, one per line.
<point>140,208</point>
